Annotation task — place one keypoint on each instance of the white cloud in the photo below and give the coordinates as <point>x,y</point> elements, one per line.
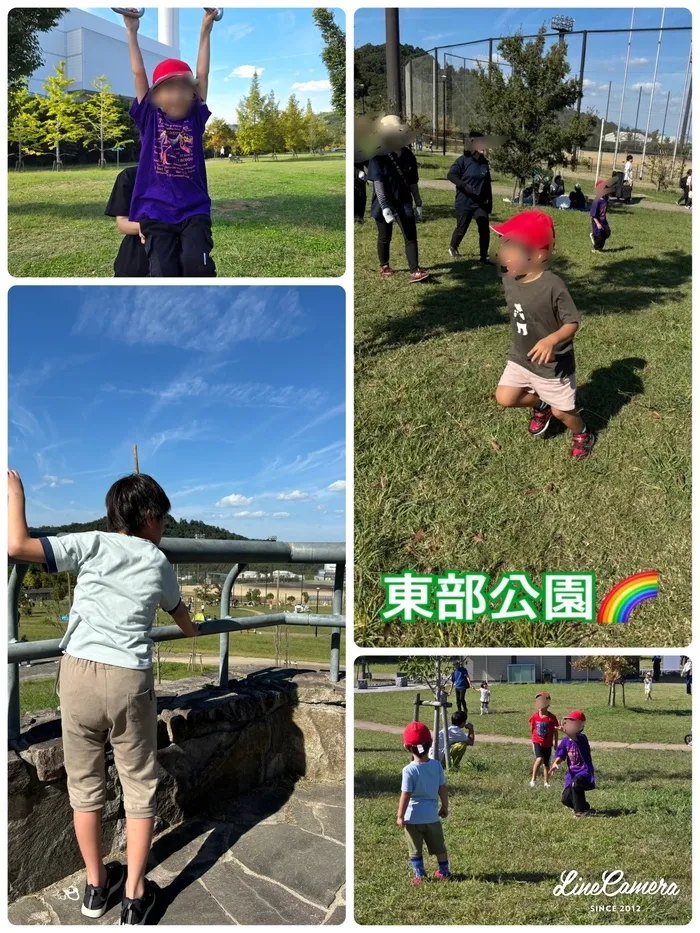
<point>233,501</point>
<point>280,514</point>
<point>639,61</point>
<point>238,31</point>
<point>245,514</point>
<point>311,87</point>
<point>647,86</point>
<point>295,496</point>
<point>184,433</point>
<point>53,482</point>
<point>321,508</point>
<point>338,486</point>
<point>245,71</point>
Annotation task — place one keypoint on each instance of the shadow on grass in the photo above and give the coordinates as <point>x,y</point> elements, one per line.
<point>473,296</point>
<point>617,811</point>
<point>649,711</point>
<point>610,388</point>
<point>639,777</point>
<point>510,877</point>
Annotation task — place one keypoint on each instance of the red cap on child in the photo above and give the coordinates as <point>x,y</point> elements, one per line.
<point>533,229</point>
<point>171,68</point>
<point>417,733</point>
<point>576,714</point>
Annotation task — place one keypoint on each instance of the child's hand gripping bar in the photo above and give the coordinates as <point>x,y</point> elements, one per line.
<point>134,12</point>
<point>219,13</point>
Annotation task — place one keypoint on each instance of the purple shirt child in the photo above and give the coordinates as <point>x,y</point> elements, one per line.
<point>599,212</point>
<point>578,757</point>
<point>171,181</point>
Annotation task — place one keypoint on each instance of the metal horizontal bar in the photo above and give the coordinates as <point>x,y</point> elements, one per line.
<point>574,32</point>
<point>207,550</point>
<point>40,650</point>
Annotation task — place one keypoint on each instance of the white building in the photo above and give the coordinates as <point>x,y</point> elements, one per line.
<point>92,46</point>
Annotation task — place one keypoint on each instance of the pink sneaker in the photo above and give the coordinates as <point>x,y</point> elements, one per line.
<point>439,875</point>
<point>540,420</point>
<point>582,445</point>
<point>418,879</point>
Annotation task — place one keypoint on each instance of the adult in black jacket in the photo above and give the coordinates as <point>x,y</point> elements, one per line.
<point>471,176</point>
<point>360,191</point>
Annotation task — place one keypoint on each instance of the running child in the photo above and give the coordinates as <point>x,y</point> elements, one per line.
<point>544,731</point>
<point>131,260</point>
<point>540,373</point>
<point>423,803</point>
<point>575,749</point>
<point>170,202</point>
<point>484,698</point>
<point>600,231</point>
<point>107,693</point>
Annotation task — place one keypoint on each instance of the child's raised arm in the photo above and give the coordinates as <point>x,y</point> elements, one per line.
<point>204,54</point>
<point>136,58</point>
<point>20,544</point>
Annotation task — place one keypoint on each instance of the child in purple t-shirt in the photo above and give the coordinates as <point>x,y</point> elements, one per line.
<point>600,228</point>
<point>170,201</point>
<point>580,776</point>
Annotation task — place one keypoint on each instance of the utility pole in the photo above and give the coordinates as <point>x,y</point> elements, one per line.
<point>393,62</point>
<point>136,458</point>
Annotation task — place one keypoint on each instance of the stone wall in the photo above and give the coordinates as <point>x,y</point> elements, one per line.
<point>211,741</point>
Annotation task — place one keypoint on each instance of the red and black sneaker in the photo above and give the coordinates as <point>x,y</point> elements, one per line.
<point>420,275</point>
<point>443,876</point>
<point>386,271</point>
<point>540,420</point>
<point>583,444</point>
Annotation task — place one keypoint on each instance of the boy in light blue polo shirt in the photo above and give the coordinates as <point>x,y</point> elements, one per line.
<point>107,692</point>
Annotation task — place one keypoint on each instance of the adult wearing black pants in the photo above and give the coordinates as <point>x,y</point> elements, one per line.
<point>394,174</point>
<point>471,176</point>
<point>687,672</point>
<point>461,683</point>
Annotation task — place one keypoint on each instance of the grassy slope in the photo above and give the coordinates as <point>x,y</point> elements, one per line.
<point>445,480</point>
<point>666,718</point>
<point>283,218</point>
<point>508,844</point>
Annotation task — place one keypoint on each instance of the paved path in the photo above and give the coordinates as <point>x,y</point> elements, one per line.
<point>267,858</point>
<point>518,740</point>
<point>507,191</point>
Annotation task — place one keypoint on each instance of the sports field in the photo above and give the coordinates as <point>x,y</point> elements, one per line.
<point>270,218</point>
<point>445,480</point>
<point>508,844</point>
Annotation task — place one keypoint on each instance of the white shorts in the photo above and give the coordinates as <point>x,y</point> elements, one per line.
<point>559,392</point>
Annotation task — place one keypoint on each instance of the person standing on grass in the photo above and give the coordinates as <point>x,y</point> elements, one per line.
<point>394,174</point>
<point>471,176</point>
<point>600,231</point>
<point>423,803</point>
<point>540,373</point>
<point>460,683</point>
<point>627,178</point>
<point>107,692</point>
<point>131,260</point>
<point>544,731</point>
<point>360,191</point>
<point>484,699</point>
<point>170,202</point>
<point>687,672</point>
<point>648,684</point>
<point>575,749</point>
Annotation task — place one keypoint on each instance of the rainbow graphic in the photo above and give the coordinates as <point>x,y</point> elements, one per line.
<point>626,595</point>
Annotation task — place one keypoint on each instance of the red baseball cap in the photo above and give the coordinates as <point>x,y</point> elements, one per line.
<point>577,715</point>
<point>532,229</point>
<point>417,733</point>
<point>171,68</point>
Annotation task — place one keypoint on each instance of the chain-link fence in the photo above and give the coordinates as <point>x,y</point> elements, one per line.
<point>637,82</point>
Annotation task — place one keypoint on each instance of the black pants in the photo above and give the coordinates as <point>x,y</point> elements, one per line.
<point>179,250</point>
<point>599,237</point>
<point>574,796</point>
<point>689,685</point>
<point>407,225</point>
<point>360,189</point>
<point>460,695</point>
<point>464,218</point>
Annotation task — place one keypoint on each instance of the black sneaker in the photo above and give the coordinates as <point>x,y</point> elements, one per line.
<point>96,899</point>
<point>136,910</point>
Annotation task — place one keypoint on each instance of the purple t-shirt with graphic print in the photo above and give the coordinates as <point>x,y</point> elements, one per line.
<point>171,181</point>
<point>578,757</point>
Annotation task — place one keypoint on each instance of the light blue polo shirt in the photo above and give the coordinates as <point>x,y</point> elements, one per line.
<point>122,580</point>
<point>422,780</point>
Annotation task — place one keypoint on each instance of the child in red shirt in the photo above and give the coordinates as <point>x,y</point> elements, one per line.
<point>544,728</point>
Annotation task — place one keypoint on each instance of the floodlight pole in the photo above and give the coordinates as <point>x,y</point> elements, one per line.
<point>393,62</point>
<point>444,113</point>
<point>653,88</point>
<point>624,88</point>
<point>574,154</point>
<point>602,133</point>
<point>663,128</point>
<point>685,82</point>
<point>686,114</point>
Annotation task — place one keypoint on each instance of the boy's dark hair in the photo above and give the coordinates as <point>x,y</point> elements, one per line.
<point>459,718</point>
<point>485,684</point>
<point>132,500</point>
<point>413,749</point>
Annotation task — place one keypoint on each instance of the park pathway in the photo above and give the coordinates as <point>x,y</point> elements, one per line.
<point>507,191</point>
<point>266,858</point>
<point>518,740</point>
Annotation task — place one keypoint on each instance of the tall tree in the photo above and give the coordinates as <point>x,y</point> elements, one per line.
<point>61,112</point>
<point>24,50</point>
<point>103,118</point>
<point>274,137</point>
<point>333,55</point>
<point>293,126</point>
<point>316,130</point>
<point>251,126</point>
<point>525,101</point>
<point>23,125</point>
<point>218,134</point>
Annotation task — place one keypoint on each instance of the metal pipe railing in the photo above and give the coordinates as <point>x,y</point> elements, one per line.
<point>225,613</point>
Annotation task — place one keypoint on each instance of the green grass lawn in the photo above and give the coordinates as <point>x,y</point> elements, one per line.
<point>508,844</point>
<point>666,718</point>
<point>283,218</point>
<point>445,480</point>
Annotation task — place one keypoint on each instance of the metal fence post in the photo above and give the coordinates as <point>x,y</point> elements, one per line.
<point>225,613</point>
<point>337,610</point>
<point>14,591</point>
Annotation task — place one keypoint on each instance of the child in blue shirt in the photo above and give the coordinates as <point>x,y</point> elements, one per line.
<point>423,802</point>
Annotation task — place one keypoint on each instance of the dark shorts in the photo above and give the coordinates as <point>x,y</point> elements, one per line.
<point>542,751</point>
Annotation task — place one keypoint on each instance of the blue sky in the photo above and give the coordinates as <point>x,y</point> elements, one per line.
<point>235,397</point>
<point>284,45</point>
<point>605,55</point>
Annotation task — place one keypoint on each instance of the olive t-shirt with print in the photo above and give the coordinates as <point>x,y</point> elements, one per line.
<point>538,309</point>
